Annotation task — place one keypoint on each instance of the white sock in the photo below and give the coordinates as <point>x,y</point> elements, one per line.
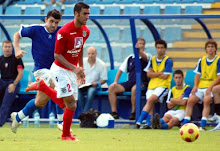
<point>60,118</point>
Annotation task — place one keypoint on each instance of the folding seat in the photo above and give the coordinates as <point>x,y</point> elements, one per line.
<point>47,9</point>
<point>13,10</point>
<point>132,10</point>
<point>172,10</point>
<point>111,10</point>
<point>104,1</point>
<point>153,10</point>
<point>124,1</point>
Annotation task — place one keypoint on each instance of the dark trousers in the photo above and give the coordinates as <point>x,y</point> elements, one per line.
<point>6,99</point>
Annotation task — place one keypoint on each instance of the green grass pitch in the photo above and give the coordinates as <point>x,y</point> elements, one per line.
<point>125,139</point>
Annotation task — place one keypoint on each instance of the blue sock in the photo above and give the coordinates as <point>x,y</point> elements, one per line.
<point>203,123</point>
<point>162,121</point>
<point>143,115</point>
<point>59,114</point>
<point>27,110</point>
<point>165,126</point>
<point>186,121</point>
<point>148,120</point>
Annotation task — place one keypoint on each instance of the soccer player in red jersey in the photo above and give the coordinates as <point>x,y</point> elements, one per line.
<point>65,70</point>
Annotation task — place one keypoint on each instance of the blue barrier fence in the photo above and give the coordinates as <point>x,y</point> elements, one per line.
<point>144,18</point>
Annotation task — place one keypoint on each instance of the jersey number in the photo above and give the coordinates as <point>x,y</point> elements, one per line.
<point>68,85</point>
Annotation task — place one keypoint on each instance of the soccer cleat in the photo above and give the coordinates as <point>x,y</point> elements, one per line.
<point>15,124</point>
<point>202,129</point>
<point>60,127</point>
<point>146,127</point>
<point>69,138</point>
<point>217,128</point>
<point>114,115</point>
<point>157,121</point>
<point>35,86</point>
<point>138,126</point>
<point>132,116</point>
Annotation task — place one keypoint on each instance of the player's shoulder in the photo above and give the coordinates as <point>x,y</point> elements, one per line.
<point>100,61</point>
<point>40,26</point>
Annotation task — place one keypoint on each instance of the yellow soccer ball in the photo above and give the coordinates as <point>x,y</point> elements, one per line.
<point>189,132</point>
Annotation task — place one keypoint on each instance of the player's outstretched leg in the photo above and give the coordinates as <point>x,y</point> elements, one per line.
<point>41,86</point>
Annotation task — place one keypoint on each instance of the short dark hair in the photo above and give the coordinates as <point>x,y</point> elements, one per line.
<point>7,42</point>
<point>179,72</point>
<point>213,42</point>
<point>140,38</point>
<point>78,7</point>
<point>161,42</point>
<point>54,13</point>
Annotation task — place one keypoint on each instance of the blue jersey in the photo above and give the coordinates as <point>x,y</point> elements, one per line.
<point>43,44</point>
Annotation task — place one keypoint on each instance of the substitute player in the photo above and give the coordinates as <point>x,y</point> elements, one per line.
<point>43,43</point>
<point>176,102</point>
<point>68,54</point>
<point>207,76</point>
<point>159,69</point>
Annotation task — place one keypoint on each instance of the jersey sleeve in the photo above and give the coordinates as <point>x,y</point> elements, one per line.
<point>20,64</point>
<point>197,69</point>
<point>60,42</point>
<point>124,65</point>
<point>169,96</point>
<point>149,65</point>
<point>168,66</point>
<point>187,93</point>
<point>218,67</point>
<point>26,31</point>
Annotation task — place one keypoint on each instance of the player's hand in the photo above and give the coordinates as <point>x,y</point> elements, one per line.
<point>19,53</point>
<point>208,91</point>
<point>11,88</point>
<point>194,90</point>
<point>94,84</point>
<point>114,84</point>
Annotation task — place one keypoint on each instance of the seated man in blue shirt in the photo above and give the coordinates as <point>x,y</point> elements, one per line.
<point>130,85</point>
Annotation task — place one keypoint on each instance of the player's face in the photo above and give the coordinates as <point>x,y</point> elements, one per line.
<point>83,16</point>
<point>178,78</point>
<point>91,53</point>
<point>51,24</point>
<point>210,49</point>
<point>160,49</point>
<point>140,44</point>
<point>7,49</point>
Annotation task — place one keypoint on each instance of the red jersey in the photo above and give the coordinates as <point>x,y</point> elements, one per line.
<point>70,41</point>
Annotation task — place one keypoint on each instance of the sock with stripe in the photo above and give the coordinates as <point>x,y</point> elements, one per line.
<point>27,110</point>
<point>143,115</point>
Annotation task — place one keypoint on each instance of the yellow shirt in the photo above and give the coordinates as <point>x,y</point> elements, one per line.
<point>176,94</point>
<point>208,73</point>
<point>158,82</point>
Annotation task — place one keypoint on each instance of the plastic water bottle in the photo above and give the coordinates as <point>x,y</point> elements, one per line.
<point>36,120</point>
<point>51,120</point>
<point>26,122</point>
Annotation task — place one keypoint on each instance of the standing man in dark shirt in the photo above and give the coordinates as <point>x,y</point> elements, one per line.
<point>11,70</point>
<point>129,66</point>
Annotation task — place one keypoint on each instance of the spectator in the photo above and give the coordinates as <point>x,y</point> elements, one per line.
<point>176,102</point>
<point>159,69</point>
<point>207,76</point>
<point>129,66</point>
<point>11,70</point>
<point>95,76</point>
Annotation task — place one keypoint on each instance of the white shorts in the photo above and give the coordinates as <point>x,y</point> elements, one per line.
<point>176,113</point>
<point>201,93</point>
<point>160,92</point>
<point>65,82</point>
<point>43,74</point>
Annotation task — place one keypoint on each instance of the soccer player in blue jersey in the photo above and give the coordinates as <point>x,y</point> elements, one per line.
<point>176,102</point>
<point>207,76</point>
<point>43,43</point>
<point>159,69</point>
